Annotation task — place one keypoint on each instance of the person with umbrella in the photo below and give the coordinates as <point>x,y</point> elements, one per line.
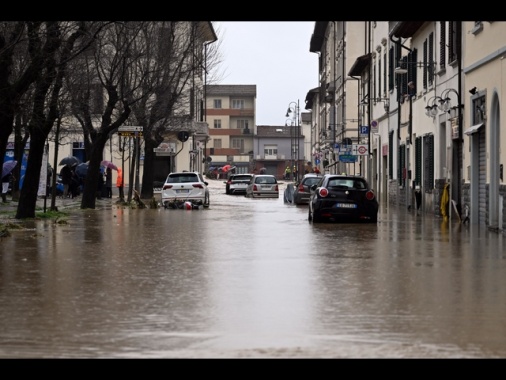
<point>66,178</point>
<point>7,177</point>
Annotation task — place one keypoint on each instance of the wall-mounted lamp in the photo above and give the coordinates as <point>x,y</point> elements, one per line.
<point>443,103</point>
<point>431,107</point>
<point>473,91</point>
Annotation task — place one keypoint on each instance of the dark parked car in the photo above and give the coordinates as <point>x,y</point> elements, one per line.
<point>342,198</point>
<point>302,190</point>
<point>237,183</point>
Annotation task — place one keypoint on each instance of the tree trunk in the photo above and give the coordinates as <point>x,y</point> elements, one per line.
<point>92,176</point>
<point>28,195</point>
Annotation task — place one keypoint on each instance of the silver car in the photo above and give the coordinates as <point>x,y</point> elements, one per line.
<point>185,187</point>
<point>263,186</point>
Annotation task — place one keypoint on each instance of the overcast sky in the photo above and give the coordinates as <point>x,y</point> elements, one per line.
<point>275,57</point>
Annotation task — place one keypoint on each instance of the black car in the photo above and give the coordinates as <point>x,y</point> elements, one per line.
<point>342,198</point>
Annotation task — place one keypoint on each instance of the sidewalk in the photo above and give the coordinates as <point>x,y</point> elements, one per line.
<point>61,204</point>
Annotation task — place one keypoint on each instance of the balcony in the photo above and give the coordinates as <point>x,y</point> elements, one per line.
<point>270,157</point>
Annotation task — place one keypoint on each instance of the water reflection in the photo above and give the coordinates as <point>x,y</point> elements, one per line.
<point>251,278</point>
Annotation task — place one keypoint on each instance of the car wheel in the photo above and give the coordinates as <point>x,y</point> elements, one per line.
<point>206,201</point>
<point>309,216</point>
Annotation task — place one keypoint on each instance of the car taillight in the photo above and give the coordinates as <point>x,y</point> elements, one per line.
<point>369,195</point>
<point>198,185</point>
<point>277,189</point>
<point>301,187</point>
<point>255,188</point>
<point>165,187</point>
<point>229,182</point>
<point>323,192</point>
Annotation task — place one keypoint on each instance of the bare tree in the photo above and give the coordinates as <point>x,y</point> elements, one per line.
<point>109,69</point>
<point>173,89</point>
<point>54,48</point>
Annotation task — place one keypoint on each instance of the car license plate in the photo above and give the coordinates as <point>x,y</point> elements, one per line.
<point>241,185</point>
<point>181,191</point>
<point>346,205</point>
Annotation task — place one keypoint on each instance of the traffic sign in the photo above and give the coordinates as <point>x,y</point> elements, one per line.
<point>360,150</point>
<point>364,129</point>
<point>130,134</point>
<point>130,128</point>
<point>347,158</point>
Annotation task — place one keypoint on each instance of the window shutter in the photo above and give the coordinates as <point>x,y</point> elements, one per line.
<point>418,161</point>
<point>442,45</point>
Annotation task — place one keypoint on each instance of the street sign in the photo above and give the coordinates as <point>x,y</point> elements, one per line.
<point>360,149</point>
<point>364,129</point>
<point>130,128</point>
<point>129,134</point>
<point>347,158</point>
<point>374,126</point>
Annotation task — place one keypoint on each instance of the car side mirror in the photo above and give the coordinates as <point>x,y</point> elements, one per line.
<point>207,183</point>
<point>313,187</point>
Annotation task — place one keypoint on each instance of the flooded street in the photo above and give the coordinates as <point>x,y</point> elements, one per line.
<point>251,278</point>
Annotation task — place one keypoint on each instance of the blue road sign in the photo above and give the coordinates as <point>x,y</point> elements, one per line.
<point>364,129</point>
<point>347,158</point>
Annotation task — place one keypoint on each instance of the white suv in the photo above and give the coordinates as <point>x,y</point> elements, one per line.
<point>180,187</point>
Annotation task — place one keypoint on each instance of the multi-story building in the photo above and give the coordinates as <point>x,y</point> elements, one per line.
<point>338,44</point>
<point>230,114</point>
<point>484,150</point>
<point>430,96</point>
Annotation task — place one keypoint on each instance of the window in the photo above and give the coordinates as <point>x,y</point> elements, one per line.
<point>452,41</point>
<point>242,124</point>
<point>217,103</point>
<point>270,150</point>
<point>217,123</point>
<point>238,104</point>
<point>238,144</point>
<point>401,166</point>
<point>217,143</point>
<point>390,154</point>
<point>428,170</point>
<point>442,45</point>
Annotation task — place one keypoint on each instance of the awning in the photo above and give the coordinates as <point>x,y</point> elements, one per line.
<point>473,129</point>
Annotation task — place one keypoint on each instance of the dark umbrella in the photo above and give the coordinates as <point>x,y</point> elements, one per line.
<point>8,167</point>
<point>81,170</point>
<point>70,161</point>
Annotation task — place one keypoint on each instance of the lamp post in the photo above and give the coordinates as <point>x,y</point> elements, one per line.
<point>444,104</point>
<point>294,136</point>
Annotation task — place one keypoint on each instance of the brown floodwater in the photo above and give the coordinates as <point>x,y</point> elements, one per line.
<point>251,278</point>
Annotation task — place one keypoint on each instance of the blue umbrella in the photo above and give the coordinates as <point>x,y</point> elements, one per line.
<point>81,170</point>
<point>8,167</point>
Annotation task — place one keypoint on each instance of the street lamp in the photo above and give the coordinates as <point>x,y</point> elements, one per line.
<point>294,136</point>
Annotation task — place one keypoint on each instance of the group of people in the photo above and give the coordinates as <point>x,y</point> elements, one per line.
<point>72,182</point>
<point>308,168</point>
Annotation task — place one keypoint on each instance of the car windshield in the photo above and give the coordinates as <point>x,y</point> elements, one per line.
<point>182,178</point>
